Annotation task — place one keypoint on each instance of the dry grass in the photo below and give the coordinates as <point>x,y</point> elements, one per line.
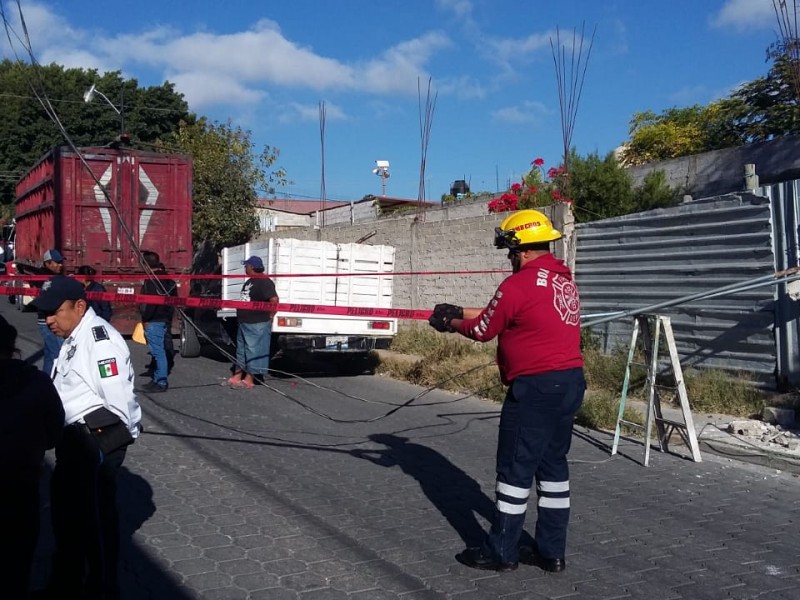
<point>453,363</point>
<point>720,392</point>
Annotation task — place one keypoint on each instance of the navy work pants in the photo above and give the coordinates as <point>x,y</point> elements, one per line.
<point>534,439</point>
<point>85,519</point>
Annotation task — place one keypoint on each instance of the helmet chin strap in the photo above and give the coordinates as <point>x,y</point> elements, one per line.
<point>516,261</point>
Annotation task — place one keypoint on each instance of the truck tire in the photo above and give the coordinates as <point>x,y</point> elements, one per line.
<point>189,344</point>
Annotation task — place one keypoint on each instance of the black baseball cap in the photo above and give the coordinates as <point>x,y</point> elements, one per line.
<point>56,291</point>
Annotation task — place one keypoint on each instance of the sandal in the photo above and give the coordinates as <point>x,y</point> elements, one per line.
<point>234,380</point>
<point>243,385</point>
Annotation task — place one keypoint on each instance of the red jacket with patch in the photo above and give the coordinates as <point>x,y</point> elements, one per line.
<point>536,314</point>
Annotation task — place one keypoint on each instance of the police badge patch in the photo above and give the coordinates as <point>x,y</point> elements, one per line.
<point>99,333</point>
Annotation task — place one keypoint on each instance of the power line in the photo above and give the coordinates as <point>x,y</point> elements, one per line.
<point>64,101</point>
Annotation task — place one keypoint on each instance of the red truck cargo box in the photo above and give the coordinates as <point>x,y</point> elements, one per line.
<point>59,205</point>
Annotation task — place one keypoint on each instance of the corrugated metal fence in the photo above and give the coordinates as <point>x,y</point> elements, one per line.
<point>645,258</point>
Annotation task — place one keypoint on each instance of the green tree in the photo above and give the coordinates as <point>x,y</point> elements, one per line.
<point>655,192</point>
<point>681,132</point>
<point>27,132</point>
<point>600,187</point>
<point>228,172</point>
<point>756,111</point>
<point>766,107</point>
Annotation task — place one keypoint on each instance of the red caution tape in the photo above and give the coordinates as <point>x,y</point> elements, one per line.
<point>181,276</point>
<point>216,304</point>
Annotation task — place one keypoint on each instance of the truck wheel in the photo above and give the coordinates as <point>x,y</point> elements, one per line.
<point>190,344</point>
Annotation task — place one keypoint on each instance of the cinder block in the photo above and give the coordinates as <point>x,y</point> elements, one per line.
<point>785,417</point>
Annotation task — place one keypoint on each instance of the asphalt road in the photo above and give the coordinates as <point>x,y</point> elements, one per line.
<point>310,489</point>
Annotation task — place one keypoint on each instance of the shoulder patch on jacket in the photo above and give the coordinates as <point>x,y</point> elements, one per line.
<point>99,333</point>
<point>108,367</point>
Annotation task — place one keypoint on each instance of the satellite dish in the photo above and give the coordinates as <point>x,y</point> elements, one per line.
<point>87,97</point>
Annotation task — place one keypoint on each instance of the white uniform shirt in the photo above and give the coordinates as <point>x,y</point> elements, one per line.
<point>94,369</point>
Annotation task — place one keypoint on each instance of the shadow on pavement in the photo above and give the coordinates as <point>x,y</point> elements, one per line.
<point>455,494</point>
<point>140,577</point>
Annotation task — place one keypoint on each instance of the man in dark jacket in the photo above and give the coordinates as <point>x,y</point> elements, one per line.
<point>53,262</point>
<point>33,418</point>
<point>102,308</point>
<point>255,326</point>
<point>157,320</point>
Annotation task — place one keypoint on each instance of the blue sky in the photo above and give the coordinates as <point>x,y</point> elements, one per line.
<point>267,65</point>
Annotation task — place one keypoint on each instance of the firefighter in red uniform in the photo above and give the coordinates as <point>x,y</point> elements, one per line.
<point>535,313</point>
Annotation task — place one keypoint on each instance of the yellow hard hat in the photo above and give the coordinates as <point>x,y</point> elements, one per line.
<point>525,227</point>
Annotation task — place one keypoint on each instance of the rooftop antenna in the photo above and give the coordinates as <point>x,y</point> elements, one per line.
<point>322,191</point>
<point>425,123</point>
<point>570,75</point>
<point>382,170</point>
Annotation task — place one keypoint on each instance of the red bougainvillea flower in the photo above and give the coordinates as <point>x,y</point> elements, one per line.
<point>556,195</point>
<point>516,186</point>
<point>538,162</point>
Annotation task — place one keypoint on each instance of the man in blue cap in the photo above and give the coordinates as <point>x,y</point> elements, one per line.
<point>53,261</point>
<point>255,326</point>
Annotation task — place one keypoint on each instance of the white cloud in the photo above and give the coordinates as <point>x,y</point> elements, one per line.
<point>461,8</point>
<point>202,91</point>
<point>210,68</point>
<point>527,112</point>
<point>745,14</point>
<point>513,49</point>
<point>399,68</point>
<point>310,112</point>
<point>465,86</point>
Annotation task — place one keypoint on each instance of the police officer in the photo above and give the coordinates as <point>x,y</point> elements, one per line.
<point>93,375</point>
<point>535,313</point>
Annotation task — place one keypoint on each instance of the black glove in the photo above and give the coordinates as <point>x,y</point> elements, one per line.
<point>448,311</point>
<point>443,314</point>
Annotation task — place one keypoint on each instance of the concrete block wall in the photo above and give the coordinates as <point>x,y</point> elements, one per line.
<point>722,171</point>
<point>439,243</point>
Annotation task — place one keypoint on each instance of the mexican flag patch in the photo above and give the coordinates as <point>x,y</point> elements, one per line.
<point>108,367</point>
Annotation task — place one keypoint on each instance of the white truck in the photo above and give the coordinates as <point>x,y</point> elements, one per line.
<point>307,273</point>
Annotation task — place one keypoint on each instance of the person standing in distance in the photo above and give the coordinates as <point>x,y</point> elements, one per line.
<point>53,262</point>
<point>32,422</point>
<point>93,375</point>
<point>85,274</point>
<point>255,327</point>
<point>535,314</point>
<point>157,320</point>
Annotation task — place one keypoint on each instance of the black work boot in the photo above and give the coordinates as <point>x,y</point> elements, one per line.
<point>476,559</point>
<point>529,555</point>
